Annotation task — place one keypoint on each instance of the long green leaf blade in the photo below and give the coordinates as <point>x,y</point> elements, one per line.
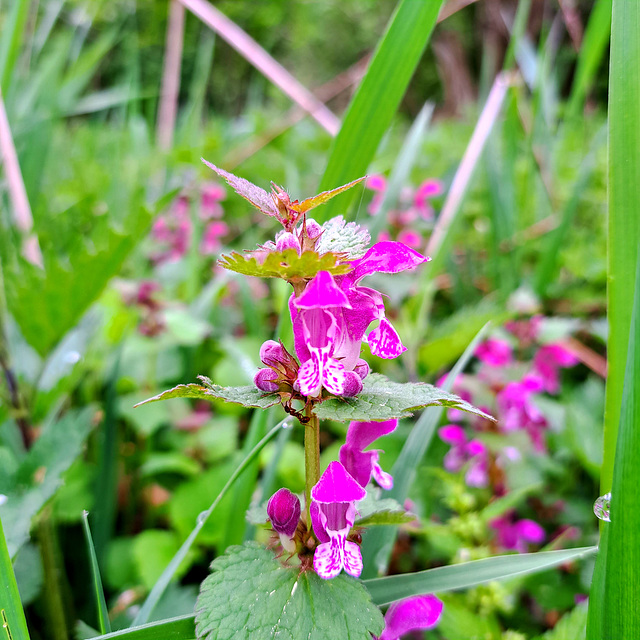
<point>11,611</point>
<point>376,101</point>
<point>468,574</point>
<point>179,628</point>
<point>101,604</point>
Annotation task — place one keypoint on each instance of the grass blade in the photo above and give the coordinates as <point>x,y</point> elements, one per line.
<point>12,40</point>
<point>377,98</point>
<point>167,574</point>
<point>378,543</point>
<point>11,611</point>
<point>592,50</point>
<point>179,628</point>
<point>101,604</point>
<point>615,613</point>
<point>402,167</point>
<point>468,574</point>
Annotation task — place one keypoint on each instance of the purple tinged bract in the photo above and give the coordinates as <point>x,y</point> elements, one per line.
<point>333,513</point>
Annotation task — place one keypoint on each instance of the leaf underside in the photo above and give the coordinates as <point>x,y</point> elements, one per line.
<point>382,399</point>
<point>285,264</point>
<point>321,198</point>
<point>251,596</point>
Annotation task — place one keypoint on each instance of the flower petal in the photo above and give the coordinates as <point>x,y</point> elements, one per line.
<point>384,479</point>
<point>316,523</point>
<point>412,614</point>
<point>336,485</point>
<point>333,376</point>
<point>352,559</point>
<point>386,257</point>
<point>361,434</point>
<point>328,559</point>
<point>384,341</point>
<point>309,377</point>
<point>322,293</point>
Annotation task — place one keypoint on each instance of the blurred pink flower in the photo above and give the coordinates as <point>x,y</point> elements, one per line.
<point>410,238</point>
<point>430,188</point>
<point>516,535</point>
<point>377,183</point>
<point>495,352</point>
<point>173,230</point>
<point>462,452</point>
<point>211,237</point>
<point>211,195</point>
<point>547,363</point>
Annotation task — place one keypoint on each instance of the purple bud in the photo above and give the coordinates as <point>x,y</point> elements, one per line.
<point>283,510</point>
<point>264,380</point>
<point>352,384</point>
<point>287,241</point>
<point>313,228</point>
<point>271,353</point>
<point>362,368</point>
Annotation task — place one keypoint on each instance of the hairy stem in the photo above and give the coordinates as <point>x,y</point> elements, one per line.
<point>311,458</point>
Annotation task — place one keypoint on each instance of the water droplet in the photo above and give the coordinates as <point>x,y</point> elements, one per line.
<point>602,507</point>
<point>202,516</point>
<point>3,498</point>
<point>287,423</point>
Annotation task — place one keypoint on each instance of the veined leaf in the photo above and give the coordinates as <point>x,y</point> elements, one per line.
<point>383,399</point>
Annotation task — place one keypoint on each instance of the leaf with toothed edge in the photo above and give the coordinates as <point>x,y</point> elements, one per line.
<point>250,595</point>
<point>382,399</point>
<point>285,264</point>
<point>248,396</point>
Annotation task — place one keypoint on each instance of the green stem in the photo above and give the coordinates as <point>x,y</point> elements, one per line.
<point>311,458</point>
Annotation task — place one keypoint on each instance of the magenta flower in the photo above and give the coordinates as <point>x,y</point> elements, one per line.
<point>360,464</point>
<point>210,197</point>
<point>462,452</point>
<point>377,183</point>
<point>281,368</point>
<point>430,188</point>
<point>284,510</point>
<point>516,535</point>
<point>330,319</point>
<point>547,363</point>
<point>211,237</point>
<point>333,512</point>
<point>495,352</point>
<point>173,230</point>
<point>412,614</point>
<point>518,411</point>
<point>411,238</point>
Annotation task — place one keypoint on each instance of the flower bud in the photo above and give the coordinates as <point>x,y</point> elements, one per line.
<point>314,229</point>
<point>265,380</point>
<point>287,241</point>
<point>271,353</point>
<point>284,510</point>
<point>352,384</point>
<point>362,368</point>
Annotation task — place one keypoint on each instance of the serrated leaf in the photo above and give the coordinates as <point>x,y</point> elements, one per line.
<point>383,399</point>
<point>251,596</point>
<point>285,264</point>
<point>248,396</point>
<point>321,198</point>
<point>253,194</point>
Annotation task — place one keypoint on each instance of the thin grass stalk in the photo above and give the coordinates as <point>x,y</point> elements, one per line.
<point>17,191</point>
<point>249,49</point>
<point>460,184</point>
<point>170,90</point>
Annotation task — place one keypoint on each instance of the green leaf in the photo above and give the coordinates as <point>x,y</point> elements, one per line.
<point>285,264</point>
<point>11,611</point>
<point>572,625</point>
<point>372,511</point>
<point>39,474</point>
<point>509,501</point>
<point>178,628</point>
<point>468,574</point>
<point>383,399</point>
<point>283,602</point>
<point>378,96</point>
<point>101,604</point>
<point>248,396</point>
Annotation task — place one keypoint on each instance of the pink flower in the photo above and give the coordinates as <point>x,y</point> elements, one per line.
<point>495,352</point>
<point>430,188</point>
<point>411,238</point>
<point>210,206</point>
<point>211,237</point>
<point>331,316</point>
<point>412,614</point>
<point>462,452</point>
<point>516,535</point>
<point>361,464</point>
<point>173,230</point>
<point>547,363</point>
<point>333,511</point>
<point>377,183</point>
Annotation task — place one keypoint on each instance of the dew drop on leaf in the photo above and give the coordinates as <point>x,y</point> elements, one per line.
<point>601,507</point>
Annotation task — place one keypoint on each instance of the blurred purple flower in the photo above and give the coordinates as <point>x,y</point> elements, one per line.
<point>377,183</point>
<point>333,511</point>
<point>430,188</point>
<point>361,464</point>
<point>462,452</point>
<point>547,363</point>
<point>412,614</point>
<point>495,352</point>
<point>210,197</point>
<point>173,230</point>
<point>516,535</point>
<point>211,237</point>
